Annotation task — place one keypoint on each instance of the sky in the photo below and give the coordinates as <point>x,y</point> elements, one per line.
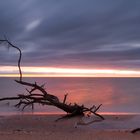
<point>72,35</point>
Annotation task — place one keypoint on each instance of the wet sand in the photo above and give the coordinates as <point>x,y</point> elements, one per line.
<point>44,127</point>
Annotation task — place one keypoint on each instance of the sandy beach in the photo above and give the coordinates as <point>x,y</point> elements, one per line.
<point>44,127</point>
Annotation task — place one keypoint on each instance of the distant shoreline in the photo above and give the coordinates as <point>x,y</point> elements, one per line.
<point>61,113</point>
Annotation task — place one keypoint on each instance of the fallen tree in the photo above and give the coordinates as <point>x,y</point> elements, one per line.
<point>43,97</point>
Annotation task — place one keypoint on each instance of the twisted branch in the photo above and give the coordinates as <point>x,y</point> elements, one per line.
<point>44,98</point>
<point>20,55</point>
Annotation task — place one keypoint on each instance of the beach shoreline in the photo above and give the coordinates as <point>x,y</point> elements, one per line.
<point>41,127</point>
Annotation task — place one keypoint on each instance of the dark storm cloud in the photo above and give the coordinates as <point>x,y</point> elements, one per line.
<point>73,33</point>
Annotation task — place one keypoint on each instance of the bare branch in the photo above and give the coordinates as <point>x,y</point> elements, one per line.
<point>65,97</point>
<point>20,55</point>
<point>44,98</point>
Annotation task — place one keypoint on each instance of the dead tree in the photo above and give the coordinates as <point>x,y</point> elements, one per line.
<point>44,98</point>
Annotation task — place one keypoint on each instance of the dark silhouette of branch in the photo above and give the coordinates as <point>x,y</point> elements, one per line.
<point>44,98</point>
<point>65,97</point>
<point>20,55</point>
<point>135,130</point>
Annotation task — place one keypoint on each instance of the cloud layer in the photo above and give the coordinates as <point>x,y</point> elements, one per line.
<point>89,34</point>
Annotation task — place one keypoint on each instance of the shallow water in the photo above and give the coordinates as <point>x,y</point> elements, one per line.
<point>116,94</point>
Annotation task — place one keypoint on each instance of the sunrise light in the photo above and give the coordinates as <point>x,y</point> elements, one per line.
<point>12,71</point>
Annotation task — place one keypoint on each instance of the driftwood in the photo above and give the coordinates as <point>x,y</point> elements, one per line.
<point>44,98</point>
<point>135,130</point>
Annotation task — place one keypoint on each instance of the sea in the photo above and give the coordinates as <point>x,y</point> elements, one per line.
<point>117,95</point>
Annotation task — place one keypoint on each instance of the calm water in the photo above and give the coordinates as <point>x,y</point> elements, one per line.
<point>116,94</point>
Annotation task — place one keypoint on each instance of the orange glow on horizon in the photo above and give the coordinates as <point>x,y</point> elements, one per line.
<point>12,71</point>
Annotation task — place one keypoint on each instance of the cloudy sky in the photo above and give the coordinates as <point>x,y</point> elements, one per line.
<point>93,34</point>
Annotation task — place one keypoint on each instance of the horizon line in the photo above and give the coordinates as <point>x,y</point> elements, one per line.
<point>12,71</point>
<point>69,76</point>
